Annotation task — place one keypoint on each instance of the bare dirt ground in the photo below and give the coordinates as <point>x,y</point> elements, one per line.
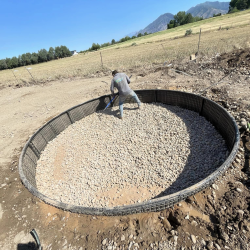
<point>216,218</point>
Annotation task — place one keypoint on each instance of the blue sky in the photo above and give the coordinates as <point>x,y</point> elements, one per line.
<point>31,25</point>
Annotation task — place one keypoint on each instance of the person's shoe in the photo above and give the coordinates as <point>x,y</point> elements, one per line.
<point>120,117</point>
<point>139,107</point>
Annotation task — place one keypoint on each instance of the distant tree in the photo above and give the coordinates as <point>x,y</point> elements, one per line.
<point>236,5</point>
<point>42,55</point>
<point>241,4</point>
<point>8,63</point>
<point>3,64</point>
<point>124,39</point>
<point>172,24</point>
<point>65,51</point>
<point>34,58</point>
<point>28,58</point>
<point>19,61</point>
<point>105,45</point>
<point>133,37</point>
<point>232,5</point>
<point>14,62</point>
<point>234,10</point>
<point>180,18</point>
<point>113,41</point>
<point>95,46</point>
<point>23,59</point>
<point>197,18</point>
<point>139,35</point>
<point>145,33</point>
<point>51,54</point>
<point>215,15</point>
<point>58,53</point>
<point>188,18</point>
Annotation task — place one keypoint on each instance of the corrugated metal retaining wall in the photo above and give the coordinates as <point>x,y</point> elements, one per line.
<point>213,112</point>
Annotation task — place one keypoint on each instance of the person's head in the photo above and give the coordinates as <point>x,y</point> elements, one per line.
<point>114,72</point>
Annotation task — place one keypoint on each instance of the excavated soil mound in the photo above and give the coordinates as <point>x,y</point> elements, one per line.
<point>236,58</point>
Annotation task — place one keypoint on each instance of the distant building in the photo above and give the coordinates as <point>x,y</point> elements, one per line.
<point>73,52</point>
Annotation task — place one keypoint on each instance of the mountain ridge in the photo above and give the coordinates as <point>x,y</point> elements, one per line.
<point>205,10</point>
<point>208,9</point>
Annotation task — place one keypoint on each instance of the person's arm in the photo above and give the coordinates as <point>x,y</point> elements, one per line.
<point>127,78</point>
<point>112,87</point>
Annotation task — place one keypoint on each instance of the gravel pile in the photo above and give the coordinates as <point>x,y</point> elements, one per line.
<point>102,161</point>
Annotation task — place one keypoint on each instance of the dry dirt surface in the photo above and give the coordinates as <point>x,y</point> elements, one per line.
<point>216,218</point>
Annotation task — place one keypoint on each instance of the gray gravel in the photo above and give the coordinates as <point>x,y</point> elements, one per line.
<point>102,161</point>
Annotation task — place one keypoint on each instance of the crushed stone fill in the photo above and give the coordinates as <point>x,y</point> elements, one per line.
<point>102,161</point>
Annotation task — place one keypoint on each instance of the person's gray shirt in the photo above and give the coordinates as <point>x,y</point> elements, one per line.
<point>121,81</point>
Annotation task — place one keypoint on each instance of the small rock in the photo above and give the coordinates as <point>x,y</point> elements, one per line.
<point>241,212</point>
<point>104,242</point>
<point>224,236</point>
<point>173,232</point>
<point>214,186</point>
<point>187,217</point>
<point>217,246</point>
<point>166,224</point>
<point>65,242</point>
<point>194,223</point>
<point>131,236</point>
<point>193,238</point>
<point>210,245</point>
<point>237,160</point>
<point>130,245</point>
<point>203,242</point>
<point>244,124</point>
<point>123,238</point>
<point>241,150</point>
<point>239,190</point>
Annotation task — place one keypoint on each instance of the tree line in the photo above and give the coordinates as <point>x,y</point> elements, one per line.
<point>96,46</point>
<point>182,18</point>
<point>33,58</point>
<point>237,5</point>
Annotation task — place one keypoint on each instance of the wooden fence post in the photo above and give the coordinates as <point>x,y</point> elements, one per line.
<point>199,42</point>
<point>101,58</point>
